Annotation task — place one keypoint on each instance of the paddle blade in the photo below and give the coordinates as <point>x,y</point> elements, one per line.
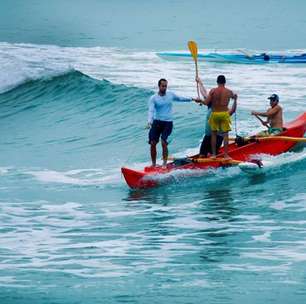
<point>193,49</point>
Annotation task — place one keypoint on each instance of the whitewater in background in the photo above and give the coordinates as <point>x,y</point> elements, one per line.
<point>75,80</point>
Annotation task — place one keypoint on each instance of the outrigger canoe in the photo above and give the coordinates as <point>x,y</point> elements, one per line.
<point>149,176</point>
<point>238,58</point>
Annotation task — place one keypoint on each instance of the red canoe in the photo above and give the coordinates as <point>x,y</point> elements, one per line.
<point>148,178</point>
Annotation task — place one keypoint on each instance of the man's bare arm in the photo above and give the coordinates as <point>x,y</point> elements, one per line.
<point>234,107</point>
<point>208,100</point>
<point>202,88</point>
<point>271,112</point>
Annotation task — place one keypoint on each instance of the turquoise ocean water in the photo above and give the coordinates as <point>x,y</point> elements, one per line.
<point>75,79</point>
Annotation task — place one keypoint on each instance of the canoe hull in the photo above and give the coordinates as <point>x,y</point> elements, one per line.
<point>148,177</point>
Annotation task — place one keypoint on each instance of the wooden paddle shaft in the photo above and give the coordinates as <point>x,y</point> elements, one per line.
<point>285,138</point>
<point>261,120</point>
<point>275,137</point>
<point>216,160</point>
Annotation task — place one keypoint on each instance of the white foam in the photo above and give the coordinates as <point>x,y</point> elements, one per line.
<point>192,223</point>
<point>197,283</point>
<point>273,164</point>
<point>264,237</point>
<point>21,63</point>
<point>253,83</point>
<point>4,170</point>
<point>81,177</point>
<point>254,268</point>
<point>294,204</point>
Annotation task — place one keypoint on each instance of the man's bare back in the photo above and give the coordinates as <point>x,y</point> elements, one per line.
<point>220,98</point>
<point>220,120</point>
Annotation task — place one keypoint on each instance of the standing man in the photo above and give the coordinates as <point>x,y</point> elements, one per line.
<point>160,119</point>
<point>274,116</point>
<point>205,148</point>
<point>220,119</point>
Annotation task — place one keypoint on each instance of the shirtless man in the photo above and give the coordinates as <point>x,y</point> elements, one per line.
<point>206,142</point>
<point>220,119</point>
<point>274,116</point>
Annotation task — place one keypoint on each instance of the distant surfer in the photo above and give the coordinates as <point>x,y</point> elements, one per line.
<point>274,116</point>
<point>205,148</point>
<point>220,120</point>
<point>160,120</point>
<point>265,56</point>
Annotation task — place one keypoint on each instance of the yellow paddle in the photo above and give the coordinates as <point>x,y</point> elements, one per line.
<point>193,48</point>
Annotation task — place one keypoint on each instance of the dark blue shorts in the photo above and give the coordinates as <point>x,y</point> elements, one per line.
<point>161,129</point>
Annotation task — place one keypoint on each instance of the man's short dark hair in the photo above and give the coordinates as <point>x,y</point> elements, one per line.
<point>160,81</point>
<point>221,79</point>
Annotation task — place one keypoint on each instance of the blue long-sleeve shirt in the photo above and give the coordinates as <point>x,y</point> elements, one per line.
<point>160,107</point>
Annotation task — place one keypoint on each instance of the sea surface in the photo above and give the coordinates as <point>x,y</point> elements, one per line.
<point>75,79</point>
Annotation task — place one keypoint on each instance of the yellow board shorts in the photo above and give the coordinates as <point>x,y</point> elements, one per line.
<point>220,121</point>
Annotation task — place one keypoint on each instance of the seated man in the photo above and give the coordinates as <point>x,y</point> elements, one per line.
<point>274,116</point>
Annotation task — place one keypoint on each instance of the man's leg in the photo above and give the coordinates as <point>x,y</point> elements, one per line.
<point>165,152</point>
<point>205,146</point>
<point>154,134</point>
<point>226,145</point>
<point>153,152</point>
<point>219,143</point>
<point>164,140</point>
<point>213,143</point>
